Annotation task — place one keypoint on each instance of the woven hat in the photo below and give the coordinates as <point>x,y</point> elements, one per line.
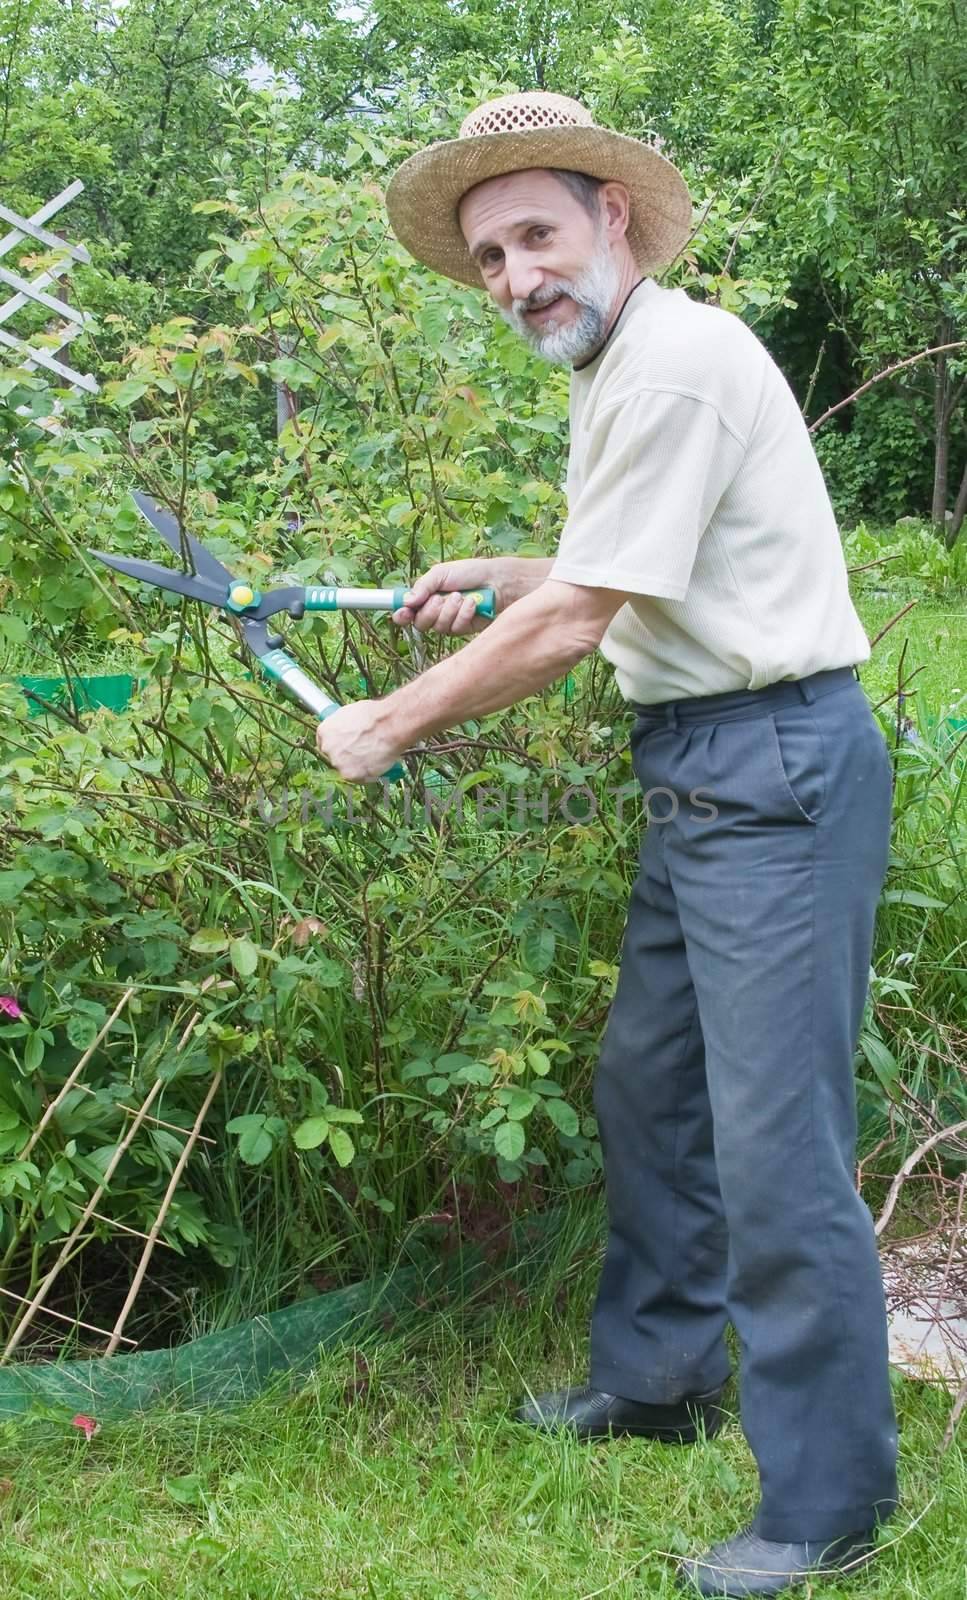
<point>522,131</point>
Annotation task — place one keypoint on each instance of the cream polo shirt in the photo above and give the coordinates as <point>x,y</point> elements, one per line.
<point>692,485</point>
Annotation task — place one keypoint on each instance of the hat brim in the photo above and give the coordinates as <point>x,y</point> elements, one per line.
<point>425,192</point>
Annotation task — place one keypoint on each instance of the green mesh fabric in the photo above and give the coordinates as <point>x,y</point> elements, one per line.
<point>225,1368</point>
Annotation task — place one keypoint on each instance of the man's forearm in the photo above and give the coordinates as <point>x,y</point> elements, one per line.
<point>518,576</point>
<point>536,640</point>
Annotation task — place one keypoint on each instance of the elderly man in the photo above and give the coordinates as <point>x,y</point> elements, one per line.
<point>701,556</point>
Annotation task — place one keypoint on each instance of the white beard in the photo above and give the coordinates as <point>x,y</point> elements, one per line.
<point>593,291</point>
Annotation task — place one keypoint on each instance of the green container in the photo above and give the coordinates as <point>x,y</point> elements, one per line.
<point>112,691</point>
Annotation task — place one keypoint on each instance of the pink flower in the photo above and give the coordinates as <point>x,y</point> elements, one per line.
<point>87,1426</point>
<point>9,1007</point>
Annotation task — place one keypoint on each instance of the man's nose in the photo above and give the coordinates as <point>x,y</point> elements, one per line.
<point>523,276</point>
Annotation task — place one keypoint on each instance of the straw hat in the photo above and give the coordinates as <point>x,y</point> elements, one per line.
<point>521,131</point>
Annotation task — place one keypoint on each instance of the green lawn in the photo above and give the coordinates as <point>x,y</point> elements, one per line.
<point>935,635</point>
<point>419,1488</point>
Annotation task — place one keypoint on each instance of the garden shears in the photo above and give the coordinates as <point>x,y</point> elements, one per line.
<point>213,585</point>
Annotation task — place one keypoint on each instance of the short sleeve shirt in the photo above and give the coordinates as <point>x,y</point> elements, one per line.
<point>693,487</point>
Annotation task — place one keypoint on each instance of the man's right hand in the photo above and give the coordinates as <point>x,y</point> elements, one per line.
<point>434,603</point>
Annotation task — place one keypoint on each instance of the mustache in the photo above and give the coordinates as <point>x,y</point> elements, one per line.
<point>544,297</point>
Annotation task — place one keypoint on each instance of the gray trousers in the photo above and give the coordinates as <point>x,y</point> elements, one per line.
<point>725,1094</point>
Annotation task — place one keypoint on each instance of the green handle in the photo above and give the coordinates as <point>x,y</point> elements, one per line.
<point>486,600</point>
<point>345,599</point>
<point>280,667</point>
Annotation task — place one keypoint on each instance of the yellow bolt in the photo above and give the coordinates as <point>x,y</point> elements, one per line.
<point>242,595</point>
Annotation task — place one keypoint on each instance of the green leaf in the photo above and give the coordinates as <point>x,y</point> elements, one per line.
<point>913,897</point>
<point>453,1062</point>
<point>520,1103</point>
<point>343,1114</point>
<point>13,629</point>
<point>255,1140</point>
<point>416,1069</point>
<point>310,1134</point>
<point>477,1073</point>
<point>563,1116</point>
<point>510,1140</point>
<point>84,1023</point>
<point>188,1490</point>
<point>341,1146</point>
<point>881,1059</point>
<point>538,1061</point>
<point>245,957</point>
<point>208,942</point>
<point>255,1146</point>
<point>127,391</point>
<point>537,948</point>
<point>34,1052</point>
<point>326,972</point>
<point>12,885</point>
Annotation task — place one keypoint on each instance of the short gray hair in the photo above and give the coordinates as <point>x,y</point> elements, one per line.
<point>584,188</point>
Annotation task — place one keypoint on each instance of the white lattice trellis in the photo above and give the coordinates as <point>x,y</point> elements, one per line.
<point>33,291</point>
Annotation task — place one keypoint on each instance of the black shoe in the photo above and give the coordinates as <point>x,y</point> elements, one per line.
<point>747,1565</point>
<point>590,1414</point>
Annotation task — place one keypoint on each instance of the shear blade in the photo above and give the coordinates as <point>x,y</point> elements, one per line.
<point>181,541</point>
<point>165,578</point>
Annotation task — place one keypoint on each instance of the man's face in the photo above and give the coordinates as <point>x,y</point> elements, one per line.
<point>547,263</point>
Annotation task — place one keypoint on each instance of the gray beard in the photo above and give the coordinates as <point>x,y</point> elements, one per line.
<point>593,292</point>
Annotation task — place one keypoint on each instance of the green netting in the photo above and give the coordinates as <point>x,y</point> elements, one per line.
<point>225,1368</point>
<point>113,690</point>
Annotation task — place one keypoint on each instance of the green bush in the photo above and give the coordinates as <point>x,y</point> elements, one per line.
<point>402,1000</point>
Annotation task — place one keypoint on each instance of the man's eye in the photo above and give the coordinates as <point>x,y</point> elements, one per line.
<point>540,234</point>
<point>490,259</point>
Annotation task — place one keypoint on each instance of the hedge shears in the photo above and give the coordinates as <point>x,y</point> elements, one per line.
<point>213,585</point>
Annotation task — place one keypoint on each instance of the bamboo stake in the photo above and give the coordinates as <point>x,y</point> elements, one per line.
<point>46,1284</point>
<point>162,1213</point>
<point>112,1222</point>
<point>75,1322</point>
<point>85,1058</point>
<point>173,1127</point>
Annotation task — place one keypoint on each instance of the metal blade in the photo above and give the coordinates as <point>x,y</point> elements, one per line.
<point>166,578</point>
<point>180,540</point>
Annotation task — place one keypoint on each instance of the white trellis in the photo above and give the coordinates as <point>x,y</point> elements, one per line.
<point>27,291</point>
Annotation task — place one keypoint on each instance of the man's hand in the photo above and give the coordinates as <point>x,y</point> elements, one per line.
<point>355,740</point>
<point>434,606</point>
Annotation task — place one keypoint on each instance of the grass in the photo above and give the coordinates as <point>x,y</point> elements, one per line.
<point>410,1482</point>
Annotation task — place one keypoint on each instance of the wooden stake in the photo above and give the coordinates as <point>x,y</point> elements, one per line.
<point>157,1122</point>
<point>65,1090</point>
<point>75,1322</point>
<point>46,1284</point>
<point>112,1222</point>
<point>146,1254</point>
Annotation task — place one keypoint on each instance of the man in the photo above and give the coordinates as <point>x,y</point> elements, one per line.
<point>700,554</point>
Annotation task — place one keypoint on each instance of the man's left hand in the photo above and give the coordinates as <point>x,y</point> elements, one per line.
<point>355,741</point>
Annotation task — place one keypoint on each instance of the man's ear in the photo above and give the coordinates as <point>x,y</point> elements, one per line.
<point>615,208</point>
